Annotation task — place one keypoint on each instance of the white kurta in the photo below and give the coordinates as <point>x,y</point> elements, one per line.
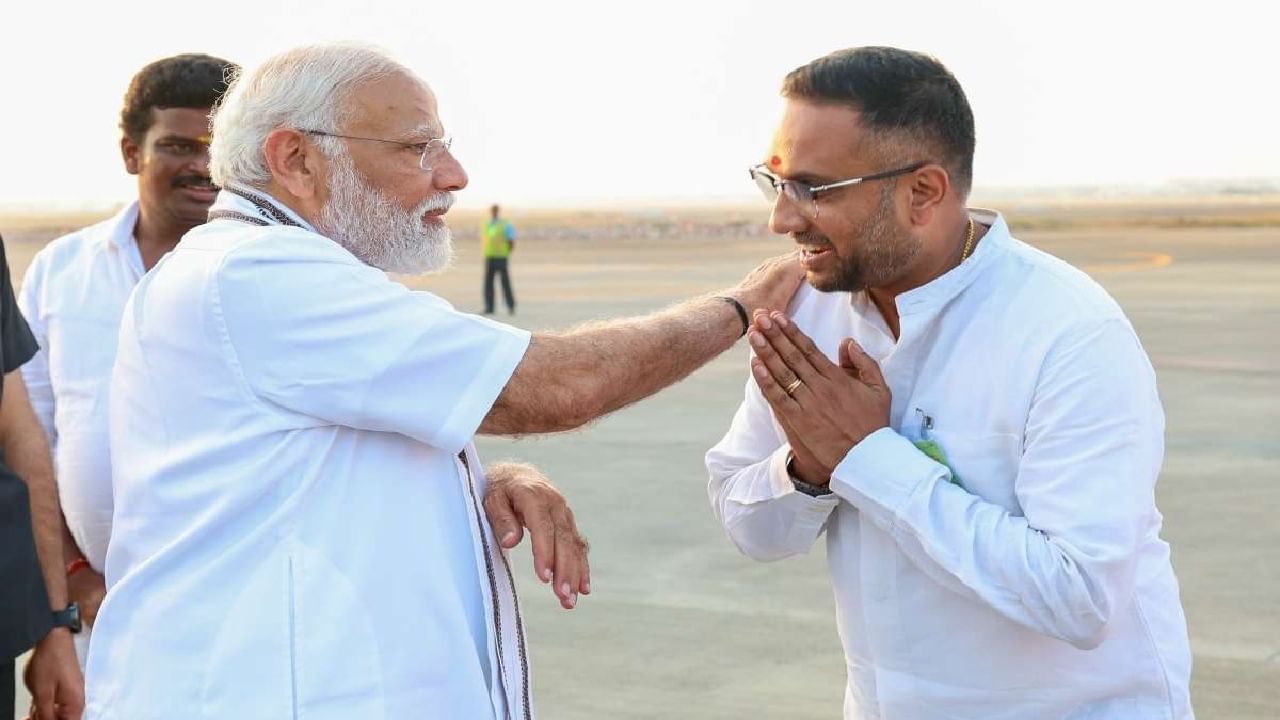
<point>298,531</point>
<point>1040,587</point>
<point>73,295</point>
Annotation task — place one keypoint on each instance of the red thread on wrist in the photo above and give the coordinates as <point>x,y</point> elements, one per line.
<point>76,566</point>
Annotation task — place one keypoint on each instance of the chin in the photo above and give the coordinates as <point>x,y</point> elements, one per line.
<point>827,283</point>
<point>822,283</point>
<point>194,219</point>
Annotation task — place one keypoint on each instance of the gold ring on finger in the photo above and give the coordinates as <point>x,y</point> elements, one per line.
<point>791,389</point>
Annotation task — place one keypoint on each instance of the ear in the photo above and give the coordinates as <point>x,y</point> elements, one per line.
<point>930,185</point>
<point>132,155</point>
<point>294,163</point>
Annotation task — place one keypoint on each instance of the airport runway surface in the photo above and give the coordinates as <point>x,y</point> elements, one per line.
<point>682,626</point>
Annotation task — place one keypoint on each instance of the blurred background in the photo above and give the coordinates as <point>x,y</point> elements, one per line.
<point>1134,139</point>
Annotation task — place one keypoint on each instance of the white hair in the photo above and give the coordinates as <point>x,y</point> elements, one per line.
<point>306,88</point>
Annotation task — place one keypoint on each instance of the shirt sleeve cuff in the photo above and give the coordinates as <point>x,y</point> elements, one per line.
<point>815,508</point>
<point>881,473</point>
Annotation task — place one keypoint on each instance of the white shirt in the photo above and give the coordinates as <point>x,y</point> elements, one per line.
<point>296,534</point>
<point>1039,587</point>
<point>73,296</point>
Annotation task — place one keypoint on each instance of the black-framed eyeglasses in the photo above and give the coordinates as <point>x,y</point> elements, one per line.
<point>428,149</point>
<point>805,195</point>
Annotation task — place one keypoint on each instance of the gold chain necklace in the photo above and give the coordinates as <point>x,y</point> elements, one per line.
<point>968,243</point>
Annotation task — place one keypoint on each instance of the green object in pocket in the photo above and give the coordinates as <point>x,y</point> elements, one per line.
<point>934,451</point>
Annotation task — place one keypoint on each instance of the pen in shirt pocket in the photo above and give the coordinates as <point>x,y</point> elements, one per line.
<point>926,443</point>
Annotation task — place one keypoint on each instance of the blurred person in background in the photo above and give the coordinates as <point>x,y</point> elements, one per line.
<point>498,240</point>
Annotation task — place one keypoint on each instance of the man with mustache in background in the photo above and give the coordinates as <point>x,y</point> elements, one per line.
<point>76,288</point>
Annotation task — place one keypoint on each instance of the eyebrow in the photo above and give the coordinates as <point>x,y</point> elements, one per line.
<point>426,131</point>
<point>808,178</point>
<point>804,176</point>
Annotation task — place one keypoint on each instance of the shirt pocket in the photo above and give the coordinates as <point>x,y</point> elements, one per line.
<point>985,464</point>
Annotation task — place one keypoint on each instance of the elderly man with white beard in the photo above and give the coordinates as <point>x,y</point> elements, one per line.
<point>302,527</point>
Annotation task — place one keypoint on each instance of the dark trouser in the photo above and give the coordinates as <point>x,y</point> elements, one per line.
<point>7,688</point>
<point>497,266</point>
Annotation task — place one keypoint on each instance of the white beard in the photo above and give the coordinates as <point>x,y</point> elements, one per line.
<point>375,229</point>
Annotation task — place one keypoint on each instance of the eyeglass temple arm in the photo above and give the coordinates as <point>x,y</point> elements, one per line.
<point>865,178</point>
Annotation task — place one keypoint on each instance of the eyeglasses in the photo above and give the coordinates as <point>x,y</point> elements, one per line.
<point>427,150</point>
<point>804,195</point>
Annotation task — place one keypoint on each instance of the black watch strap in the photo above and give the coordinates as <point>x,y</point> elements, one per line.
<point>68,617</point>
<point>742,312</point>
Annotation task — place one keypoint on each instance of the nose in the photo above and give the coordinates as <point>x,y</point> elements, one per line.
<point>200,161</point>
<point>786,217</point>
<point>448,175</point>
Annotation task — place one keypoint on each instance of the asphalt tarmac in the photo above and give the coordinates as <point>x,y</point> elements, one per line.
<point>681,626</point>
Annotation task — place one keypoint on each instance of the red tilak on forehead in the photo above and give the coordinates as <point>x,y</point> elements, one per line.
<point>775,161</point>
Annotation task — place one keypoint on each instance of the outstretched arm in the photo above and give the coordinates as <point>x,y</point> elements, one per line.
<point>567,380</point>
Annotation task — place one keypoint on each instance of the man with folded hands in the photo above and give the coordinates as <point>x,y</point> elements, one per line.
<point>971,423</point>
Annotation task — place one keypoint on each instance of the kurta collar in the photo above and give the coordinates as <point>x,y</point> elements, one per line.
<point>121,226</point>
<point>257,203</point>
<point>944,288</point>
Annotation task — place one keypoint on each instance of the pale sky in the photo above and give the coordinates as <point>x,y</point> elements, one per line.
<point>561,102</point>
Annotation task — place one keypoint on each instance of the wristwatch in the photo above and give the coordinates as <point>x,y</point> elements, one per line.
<point>68,618</point>
<point>803,487</point>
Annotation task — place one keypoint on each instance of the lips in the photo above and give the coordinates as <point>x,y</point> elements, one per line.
<point>434,208</point>
<point>435,216</point>
<point>198,188</point>
<point>813,256</point>
<point>814,247</point>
